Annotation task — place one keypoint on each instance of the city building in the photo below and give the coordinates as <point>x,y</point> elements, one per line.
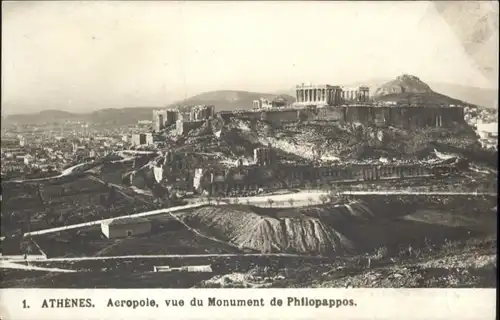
<point>126,138</point>
<point>149,138</point>
<point>138,139</point>
<point>22,141</point>
<point>487,130</point>
<point>9,143</point>
<point>125,227</point>
<point>250,179</point>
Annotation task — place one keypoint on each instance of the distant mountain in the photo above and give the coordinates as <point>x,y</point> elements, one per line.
<point>482,97</point>
<point>408,88</point>
<point>403,84</point>
<point>226,100</point>
<point>42,117</point>
<point>487,98</point>
<point>121,116</point>
<point>222,99</point>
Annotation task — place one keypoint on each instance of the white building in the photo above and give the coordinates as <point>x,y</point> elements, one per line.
<point>487,130</point>
<point>125,227</point>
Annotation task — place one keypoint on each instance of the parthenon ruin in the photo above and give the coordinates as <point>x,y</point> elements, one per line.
<point>318,94</point>
<point>356,94</point>
<point>329,95</point>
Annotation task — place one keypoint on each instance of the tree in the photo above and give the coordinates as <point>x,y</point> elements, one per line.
<point>291,201</point>
<point>270,202</point>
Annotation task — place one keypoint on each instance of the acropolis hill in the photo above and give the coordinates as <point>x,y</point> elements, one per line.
<point>405,102</point>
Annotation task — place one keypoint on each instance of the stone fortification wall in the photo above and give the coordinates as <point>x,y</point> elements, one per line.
<point>403,117</point>
<point>322,114</point>
<point>278,116</point>
<point>183,127</point>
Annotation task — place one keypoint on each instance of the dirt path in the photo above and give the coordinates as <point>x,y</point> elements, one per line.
<point>11,265</point>
<point>437,193</point>
<point>166,256</point>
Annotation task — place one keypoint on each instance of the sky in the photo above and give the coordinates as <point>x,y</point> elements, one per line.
<point>84,56</point>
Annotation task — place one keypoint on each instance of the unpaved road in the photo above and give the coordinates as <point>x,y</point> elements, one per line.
<point>10,265</point>
<point>210,255</point>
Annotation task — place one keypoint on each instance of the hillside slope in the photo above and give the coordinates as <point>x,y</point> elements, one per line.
<point>222,99</point>
<point>344,141</point>
<point>226,100</point>
<point>481,97</point>
<point>336,229</point>
<point>409,89</point>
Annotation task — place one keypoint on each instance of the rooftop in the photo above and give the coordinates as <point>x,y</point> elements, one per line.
<point>126,221</point>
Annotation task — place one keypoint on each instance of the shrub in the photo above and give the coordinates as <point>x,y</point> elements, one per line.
<point>381,253</point>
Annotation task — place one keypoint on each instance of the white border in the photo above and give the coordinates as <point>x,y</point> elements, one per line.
<point>384,304</point>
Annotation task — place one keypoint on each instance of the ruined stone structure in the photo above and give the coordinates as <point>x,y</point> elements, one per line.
<point>318,95</point>
<point>264,156</point>
<point>266,103</point>
<point>164,117</point>
<point>278,116</point>
<point>397,116</point>
<point>224,181</point>
<point>330,103</point>
<point>355,95</point>
<point>183,127</point>
<point>327,95</point>
<point>158,121</point>
<point>201,112</point>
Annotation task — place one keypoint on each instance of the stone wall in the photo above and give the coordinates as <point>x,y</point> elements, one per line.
<point>326,114</point>
<point>183,127</point>
<point>296,175</point>
<point>403,117</point>
<point>277,116</point>
<point>249,115</point>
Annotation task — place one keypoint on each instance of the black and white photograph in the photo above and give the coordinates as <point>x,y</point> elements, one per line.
<point>221,144</point>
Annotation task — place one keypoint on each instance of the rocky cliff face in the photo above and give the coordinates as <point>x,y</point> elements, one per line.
<point>403,84</point>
